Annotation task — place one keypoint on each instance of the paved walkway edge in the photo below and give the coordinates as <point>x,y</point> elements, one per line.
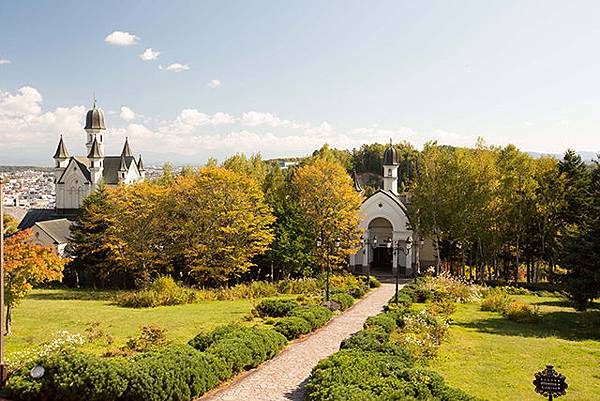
<point>283,377</point>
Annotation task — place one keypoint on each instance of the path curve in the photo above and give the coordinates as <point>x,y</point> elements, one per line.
<point>283,377</point>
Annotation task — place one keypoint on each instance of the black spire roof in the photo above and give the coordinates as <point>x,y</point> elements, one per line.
<point>122,164</point>
<point>61,150</point>
<point>95,151</point>
<point>390,156</point>
<point>126,150</point>
<point>140,164</point>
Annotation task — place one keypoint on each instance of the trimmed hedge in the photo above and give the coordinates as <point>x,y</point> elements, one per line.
<point>293,327</point>
<point>343,299</point>
<point>315,315</point>
<point>383,321</point>
<point>276,307</point>
<point>172,373</point>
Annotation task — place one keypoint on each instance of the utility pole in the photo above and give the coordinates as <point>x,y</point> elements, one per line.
<point>2,366</point>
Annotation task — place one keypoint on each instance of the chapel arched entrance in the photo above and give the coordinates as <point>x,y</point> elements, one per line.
<point>379,230</point>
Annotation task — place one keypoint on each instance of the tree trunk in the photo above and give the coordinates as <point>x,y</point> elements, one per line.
<point>8,330</point>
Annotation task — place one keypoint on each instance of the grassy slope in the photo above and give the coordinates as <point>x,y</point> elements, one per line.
<point>494,358</point>
<point>45,312</point>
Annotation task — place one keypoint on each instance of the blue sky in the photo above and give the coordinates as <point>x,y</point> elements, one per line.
<point>289,76</point>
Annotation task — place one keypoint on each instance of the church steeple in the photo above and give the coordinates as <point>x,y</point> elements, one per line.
<point>390,169</point>
<point>126,150</point>
<point>61,151</point>
<point>94,126</point>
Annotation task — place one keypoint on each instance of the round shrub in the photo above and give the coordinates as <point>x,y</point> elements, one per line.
<point>315,315</point>
<point>203,340</point>
<point>292,327</point>
<point>344,300</point>
<point>170,374</point>
<point>383,321</point>
<point>70,375</point>
<point>276,307</point>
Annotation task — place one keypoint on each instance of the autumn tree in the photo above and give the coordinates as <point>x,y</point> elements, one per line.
<point>217,221</point>
<point>27,265</point>
<point>329,204</point>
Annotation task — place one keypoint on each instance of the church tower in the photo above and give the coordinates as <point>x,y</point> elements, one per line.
<point>96,159</point>
<point>94,126</point>
<point>390,169</point>
<point>61,159</point>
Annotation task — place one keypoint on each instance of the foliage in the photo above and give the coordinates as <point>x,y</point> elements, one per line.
<point>276,307</point>
<point>382,321</point>
<point>315,315</point>
<point>245,347</point>
<point>522,312</point>
<point>495,300</point>
<point>344,300</point>
<point>26,265</point>
<point>150,337</point>
<point>422,333</point>
<point>329,206</point>
<point>163,291</point>
<point>293,327</point>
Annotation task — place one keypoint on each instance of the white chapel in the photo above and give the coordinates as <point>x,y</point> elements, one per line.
<point>386,227</point>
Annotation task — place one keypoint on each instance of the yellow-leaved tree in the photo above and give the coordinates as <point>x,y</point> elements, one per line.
<point>330,206</point>
<point>218,221</point>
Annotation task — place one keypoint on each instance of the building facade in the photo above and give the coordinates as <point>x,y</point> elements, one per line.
<point>386,226</point>
<point>76,177</point>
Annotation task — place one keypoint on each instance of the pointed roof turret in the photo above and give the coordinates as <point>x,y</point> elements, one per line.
<point>122,164</point>
<point>390,156</point>
<point>140,164</point>
<point>95,151</point>
<point>126,150</point>
<point>61,150</point>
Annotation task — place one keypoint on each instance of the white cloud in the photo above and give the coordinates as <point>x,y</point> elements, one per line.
<point>176,67</point>
<point>149,54</point>
<point>214,83</point>
<point>126,113</point>
<point>27,101</point>
<point>255,118</point>
<point>4,61</point>
<point>121,38</point>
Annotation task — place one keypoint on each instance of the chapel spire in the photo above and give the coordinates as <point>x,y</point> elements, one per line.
<point>126,149</point>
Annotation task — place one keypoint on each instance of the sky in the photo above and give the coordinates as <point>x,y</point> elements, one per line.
<point>189,80</point>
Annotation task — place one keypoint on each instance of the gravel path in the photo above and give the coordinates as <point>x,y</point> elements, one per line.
<point>283,377</point>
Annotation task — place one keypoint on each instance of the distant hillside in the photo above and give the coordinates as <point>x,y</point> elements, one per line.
<point>13,169</point>
<point>586,156</point>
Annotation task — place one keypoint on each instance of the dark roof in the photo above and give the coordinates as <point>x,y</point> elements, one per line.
<point>94,119</point>
<point>82,163</point>
<point>390,156</point>
<point>122,164</point>
<point>36,215</point>
<point>140,164</point>
<point>110,173</point>
<point>61,150</point>
<point>59,229</point>
<point>126,150</point>
<point>95,151</point>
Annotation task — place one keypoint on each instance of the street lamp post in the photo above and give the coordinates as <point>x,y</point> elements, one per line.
<point>2,367</point>
<point>405,248</point>
<point>418,255</point>
<point>329,248</point>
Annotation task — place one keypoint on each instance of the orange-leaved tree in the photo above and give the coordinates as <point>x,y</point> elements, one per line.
<point>26,265</point>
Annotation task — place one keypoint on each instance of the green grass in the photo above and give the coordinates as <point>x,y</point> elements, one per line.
<point>494,358</point>
<point>45,312</point>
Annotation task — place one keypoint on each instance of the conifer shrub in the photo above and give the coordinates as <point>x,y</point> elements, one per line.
<point>344,300</point>
<point>70,375</point>
<point>315,315</point>
<point>276,307</point>
<point>293,327</point>
<point>383,321</point>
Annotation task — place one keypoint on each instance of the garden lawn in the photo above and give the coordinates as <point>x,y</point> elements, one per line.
<point>45,312</point>
<point>494,358</point>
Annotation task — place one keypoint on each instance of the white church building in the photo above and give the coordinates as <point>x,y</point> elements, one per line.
<point>386,227</point>
<point>76,177</point>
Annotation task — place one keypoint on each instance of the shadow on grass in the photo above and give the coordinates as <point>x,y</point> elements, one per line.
<point>565,303</point>
<point>73,295</point>
<point>575,326</point>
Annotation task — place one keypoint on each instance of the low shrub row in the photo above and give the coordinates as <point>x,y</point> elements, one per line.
<point>172,373</point>
<point>164,291</point>
<point>371,365</point>
<point>303,320</point>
